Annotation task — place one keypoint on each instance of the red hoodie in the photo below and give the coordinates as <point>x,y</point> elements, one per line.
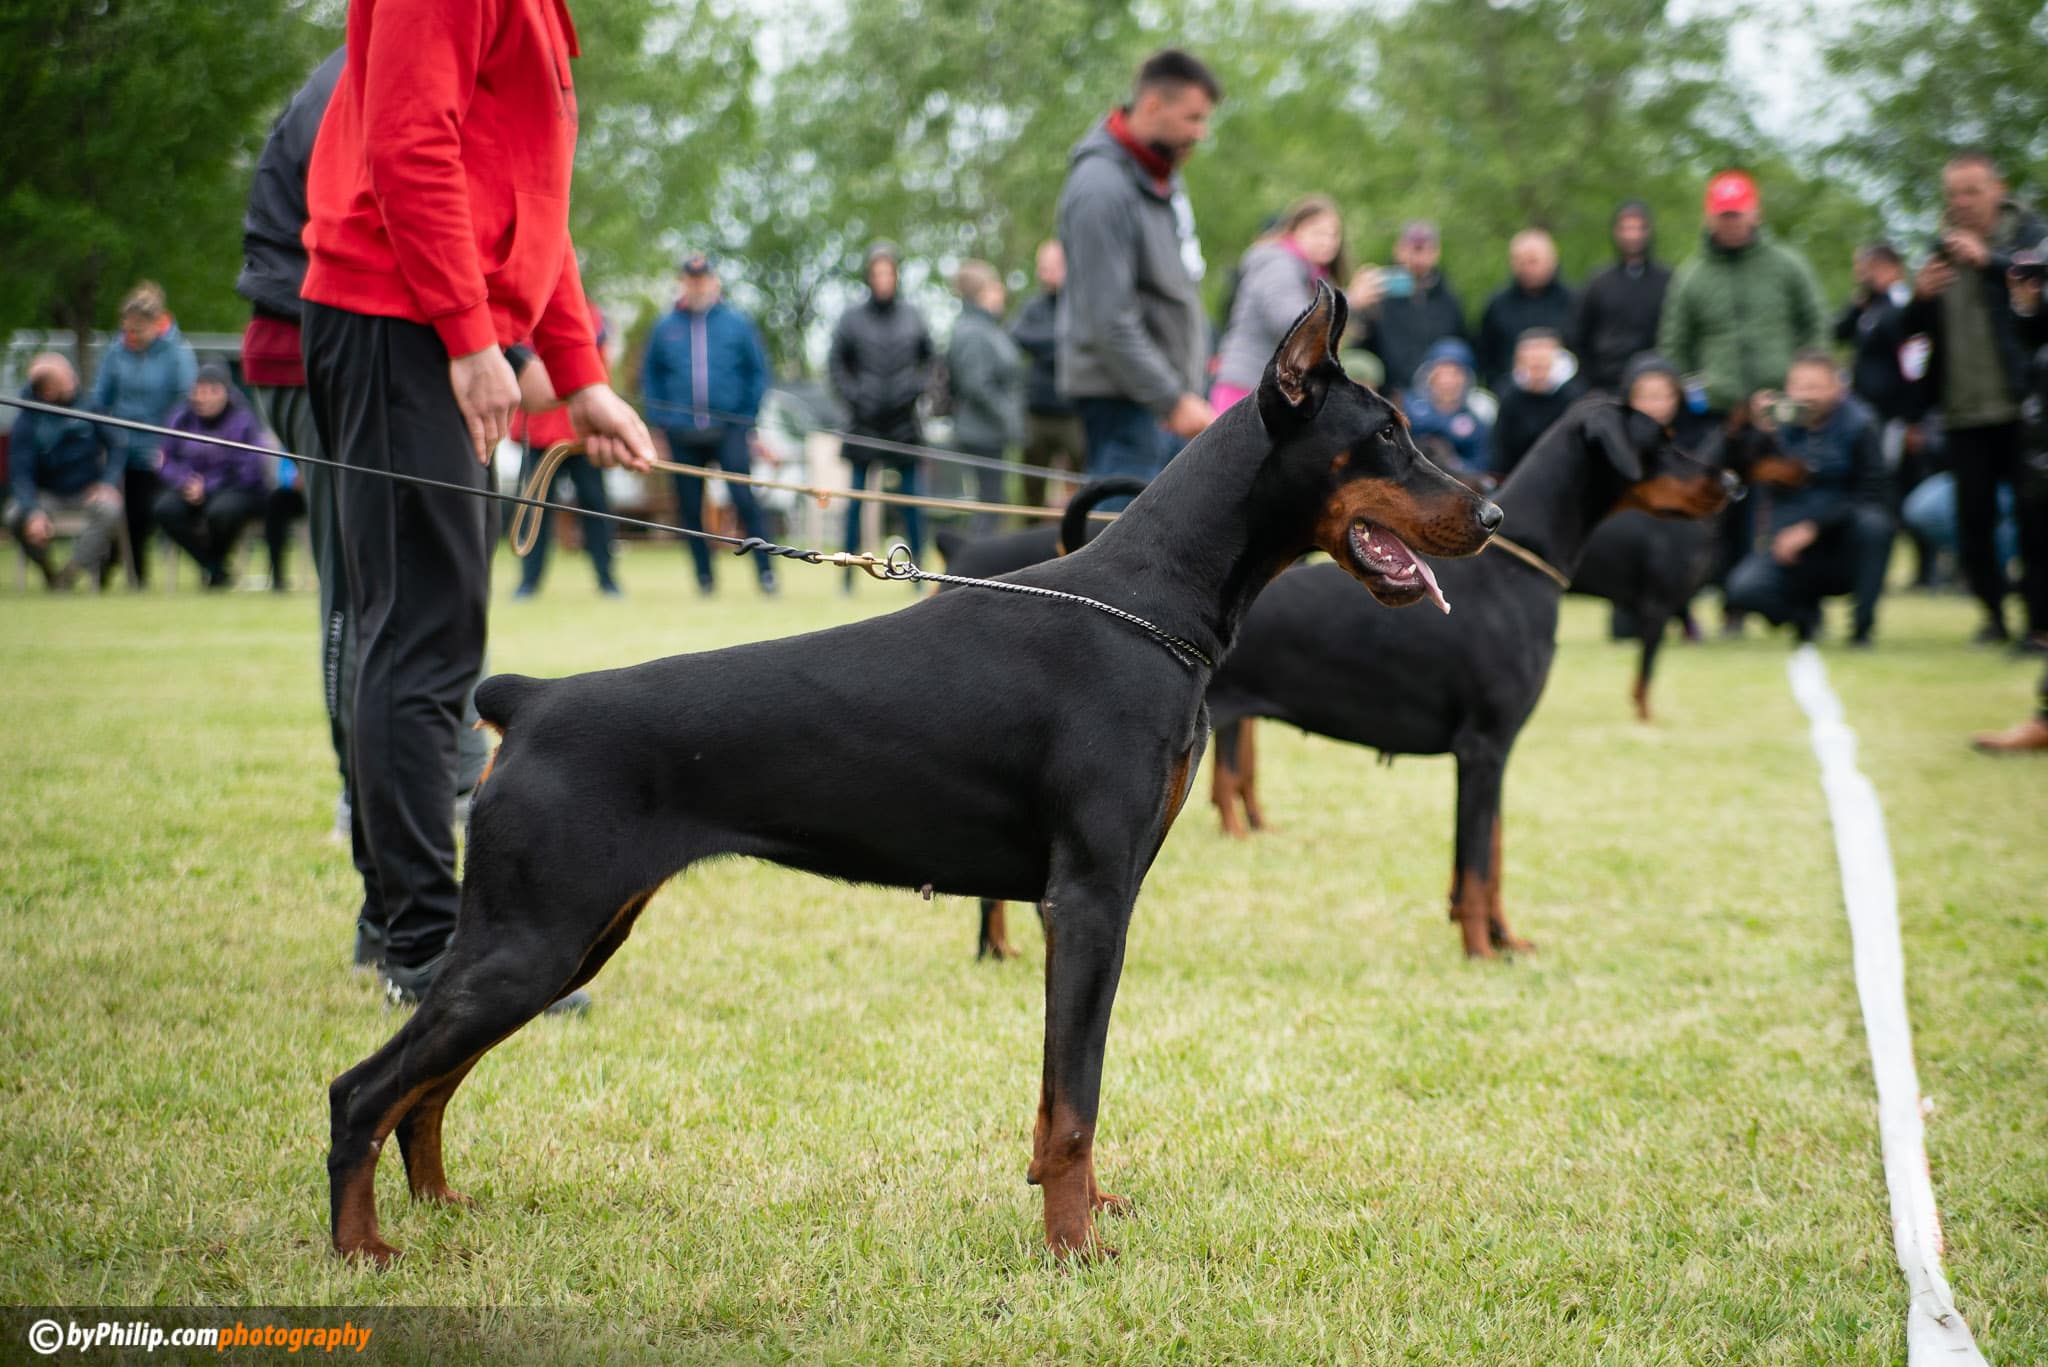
<point>439,185</point>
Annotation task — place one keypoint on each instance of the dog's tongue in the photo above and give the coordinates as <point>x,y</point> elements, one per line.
<point>1436,595</point>
<point>1385,546</point>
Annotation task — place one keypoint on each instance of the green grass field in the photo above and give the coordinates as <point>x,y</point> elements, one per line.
<point>796,1124</point>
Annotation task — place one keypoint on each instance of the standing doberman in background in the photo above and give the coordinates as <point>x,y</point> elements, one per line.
<point>1053,739</point>
<point>980,557</point>
<point>1322,657</point>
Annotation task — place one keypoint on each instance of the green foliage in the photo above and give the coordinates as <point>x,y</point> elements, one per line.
<point>127,133</point>
<point>1937,77</point>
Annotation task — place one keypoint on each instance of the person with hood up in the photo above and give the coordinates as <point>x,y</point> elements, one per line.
<point>1133,341</point>
<point>142,379</point>
<point>1542,385</point>
<point>1619,307</point>
<point>1534,297</point>
<point>881,364</point>
<point>211,492</point>
<point>1440,411</point>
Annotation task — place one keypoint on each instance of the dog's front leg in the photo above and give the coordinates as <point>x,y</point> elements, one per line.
<point>1086,920</point>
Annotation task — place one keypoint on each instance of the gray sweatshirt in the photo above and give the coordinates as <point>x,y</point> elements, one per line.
<point>1130,323</point>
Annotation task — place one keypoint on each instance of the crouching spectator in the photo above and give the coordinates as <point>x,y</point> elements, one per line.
<point>211,492</point>
<point>1441,414</point>
<point>58,465</point>
<point>1830,528</point>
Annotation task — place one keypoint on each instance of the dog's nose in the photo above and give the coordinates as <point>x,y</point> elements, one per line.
<point>1490,516</point>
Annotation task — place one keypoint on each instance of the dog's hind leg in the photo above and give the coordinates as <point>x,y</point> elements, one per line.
<point>1652,622</point>
<point>419,1130</point>
<point>502,973</point>
<point>1226,785</point>
<point>995,932</point>
<point>1248,774</point>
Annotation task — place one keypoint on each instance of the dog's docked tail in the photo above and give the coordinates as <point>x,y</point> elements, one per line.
<point>500,697</point>
<point>1075,528</point>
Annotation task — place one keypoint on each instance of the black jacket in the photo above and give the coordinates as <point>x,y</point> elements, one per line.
<point>1924,315</point>
<point>881,364</point>
<point>1512,312</point>
<point>1877,327</point>
<point>1523,418</point>
<point>273,258</point>
<point>1034,333</point>
<point>1617,318</point>
<point>1401,330</point>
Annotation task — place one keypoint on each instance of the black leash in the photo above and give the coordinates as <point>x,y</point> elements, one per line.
<point>897,566</point>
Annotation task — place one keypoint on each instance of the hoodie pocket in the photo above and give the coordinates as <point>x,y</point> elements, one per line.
<point>528,263</point>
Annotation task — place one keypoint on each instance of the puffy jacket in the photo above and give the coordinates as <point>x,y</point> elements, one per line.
<point>217,467</point>
<point>985,372</point>
<point>143,386</point>
<point>51,454</point>
<point>880,364</point>
<point>698,361</point>
<point>1736,318</point>
<point>1130,322</point>
<point>1467,433</point>
<point>1275,283</point>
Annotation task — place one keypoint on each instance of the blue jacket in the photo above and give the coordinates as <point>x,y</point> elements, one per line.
<point>1844,461</point>
<point>711,360</point>
<point>1468,434</point>
<point>144,386</point>
<point>62,456</point>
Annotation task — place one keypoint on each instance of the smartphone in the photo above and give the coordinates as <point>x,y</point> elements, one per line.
<point>1398,283</point>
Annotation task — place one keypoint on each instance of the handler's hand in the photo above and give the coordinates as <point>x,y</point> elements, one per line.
<point>612,432</point>
<point>1190,416</point>
<point>486,391</point>
<point>36,528</point>
<point>1787,546</point>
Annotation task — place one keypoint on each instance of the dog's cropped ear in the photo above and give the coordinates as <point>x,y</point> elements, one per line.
<point>1620,433</point>
<point>1297,379</point>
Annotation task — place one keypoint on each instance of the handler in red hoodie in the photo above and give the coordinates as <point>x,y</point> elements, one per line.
<point>438,236</point>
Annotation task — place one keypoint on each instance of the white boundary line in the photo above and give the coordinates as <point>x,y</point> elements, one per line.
<point>1935,1329</point>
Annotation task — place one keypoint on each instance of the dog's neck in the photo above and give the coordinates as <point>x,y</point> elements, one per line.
<point>1208,535</point>
<point>1559,493</point>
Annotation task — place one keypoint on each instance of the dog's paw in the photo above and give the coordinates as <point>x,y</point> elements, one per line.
<point>372,1253</point>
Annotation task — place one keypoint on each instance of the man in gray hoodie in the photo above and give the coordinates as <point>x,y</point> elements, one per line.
<point>1132,337</point>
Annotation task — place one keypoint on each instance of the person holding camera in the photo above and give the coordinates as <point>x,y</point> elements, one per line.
<point>2025,281</point>
<point>1978,368</point>
<point>1829,526</point>
<point>1404,310</point>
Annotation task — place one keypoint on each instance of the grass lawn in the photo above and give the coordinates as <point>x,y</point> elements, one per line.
<point>796,1124</point>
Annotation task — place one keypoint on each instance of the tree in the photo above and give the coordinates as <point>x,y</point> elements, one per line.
<point>129,130</point>
<point>1938,77</point>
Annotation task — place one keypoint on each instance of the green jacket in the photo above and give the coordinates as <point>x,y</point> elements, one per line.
<point>1735,319</point>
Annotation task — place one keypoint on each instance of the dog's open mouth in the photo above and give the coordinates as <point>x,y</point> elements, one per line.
<point>1396,574</point>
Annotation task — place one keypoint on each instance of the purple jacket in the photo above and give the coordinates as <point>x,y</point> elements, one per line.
<point>219,467</point>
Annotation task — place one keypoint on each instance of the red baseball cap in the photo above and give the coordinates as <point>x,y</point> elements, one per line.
<point>1732,192</point>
